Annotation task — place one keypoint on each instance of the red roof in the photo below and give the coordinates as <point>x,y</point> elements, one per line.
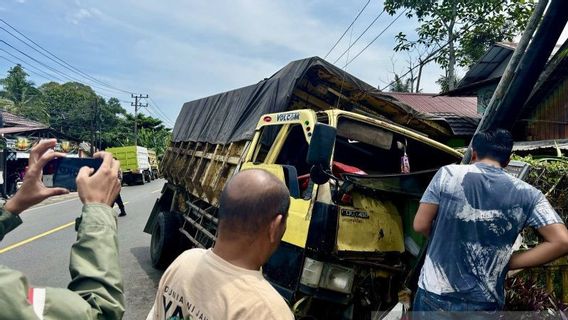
<point>436,104</point>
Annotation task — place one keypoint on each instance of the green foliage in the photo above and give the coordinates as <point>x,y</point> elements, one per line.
<point>19,95</point>
<point>550,175</point>
<point>74,108</point>
<point>400,86</point>
<point>469,26</point>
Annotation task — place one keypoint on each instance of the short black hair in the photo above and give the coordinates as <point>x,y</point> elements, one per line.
<point>496,144</point>
<point>247,206</point>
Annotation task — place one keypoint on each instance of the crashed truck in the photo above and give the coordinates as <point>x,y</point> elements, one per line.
<point>349,245</point>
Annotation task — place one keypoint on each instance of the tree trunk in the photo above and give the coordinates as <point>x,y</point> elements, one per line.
<point>419,77</point>
<point>451,72</point>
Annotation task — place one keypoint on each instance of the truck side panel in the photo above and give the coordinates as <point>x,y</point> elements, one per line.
<point>202,168</point>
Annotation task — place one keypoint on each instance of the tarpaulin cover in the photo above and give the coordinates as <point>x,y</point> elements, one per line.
<point>232,116</point>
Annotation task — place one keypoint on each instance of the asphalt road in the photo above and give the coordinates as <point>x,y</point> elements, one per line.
<point>40,246</point>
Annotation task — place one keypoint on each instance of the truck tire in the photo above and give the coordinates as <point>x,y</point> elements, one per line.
<point>164,245</point>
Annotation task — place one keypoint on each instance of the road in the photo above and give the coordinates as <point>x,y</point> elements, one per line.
<point>40,246</point>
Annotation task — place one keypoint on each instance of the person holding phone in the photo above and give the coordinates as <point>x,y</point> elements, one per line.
<point>95,290</point>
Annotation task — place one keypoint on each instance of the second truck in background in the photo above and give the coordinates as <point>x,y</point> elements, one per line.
<point>134,164</point>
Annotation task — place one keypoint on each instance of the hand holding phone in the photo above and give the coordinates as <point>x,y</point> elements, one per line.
<point>65,170</point>
<point>101,186</point>
<point>33,191</point>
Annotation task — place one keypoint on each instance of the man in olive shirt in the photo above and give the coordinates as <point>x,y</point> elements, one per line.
<point>226,282</point>
<point>95,291</point>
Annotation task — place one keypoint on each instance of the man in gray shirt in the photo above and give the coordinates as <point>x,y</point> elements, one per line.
<point>473,215</point>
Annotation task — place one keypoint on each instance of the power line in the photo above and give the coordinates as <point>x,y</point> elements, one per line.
<point>32,72</point>
<point>58,60</point>
<point>60,73</point>
<point>380,34</point>
<point>159,110</point>
<point>359,37</point>
<point>349,27</point>
<point>432,54</point>
<point>50,76</point>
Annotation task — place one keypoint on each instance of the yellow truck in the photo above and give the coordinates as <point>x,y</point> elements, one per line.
<point>349,246</point>
<point>154,167</point>
<point>134,164</point>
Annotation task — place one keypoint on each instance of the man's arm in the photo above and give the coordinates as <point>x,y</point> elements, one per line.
<point>428,209</point>
<point>425,217</point>
<point>554,246</point>
<point>8,222</point>
<point>94,264</point>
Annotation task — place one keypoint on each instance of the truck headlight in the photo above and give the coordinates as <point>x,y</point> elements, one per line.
<point>312,273</point>
<point>327,275</point>
<point>337,278</point>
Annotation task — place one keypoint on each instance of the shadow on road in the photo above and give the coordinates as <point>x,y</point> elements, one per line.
<point>142,254</point>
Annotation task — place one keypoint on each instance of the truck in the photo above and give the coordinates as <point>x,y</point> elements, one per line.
<point>349,243</point>
<point>154,167</point>
<point>353,166</point>
<point>134,164</point>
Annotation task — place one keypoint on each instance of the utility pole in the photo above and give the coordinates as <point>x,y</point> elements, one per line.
<point>136,104</point>
<point>93,122</point>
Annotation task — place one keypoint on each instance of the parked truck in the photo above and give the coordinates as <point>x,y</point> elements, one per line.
<point>154,167</point>
<point>134,164</point>
<point>349,243</point>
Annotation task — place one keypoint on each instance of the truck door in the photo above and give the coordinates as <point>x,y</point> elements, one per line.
<point>281,147</point>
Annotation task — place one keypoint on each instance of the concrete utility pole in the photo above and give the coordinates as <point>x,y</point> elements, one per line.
<point>136,104</point>
<point>518,82</point>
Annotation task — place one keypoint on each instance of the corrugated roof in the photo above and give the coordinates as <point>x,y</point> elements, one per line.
<point>433,103</point>
<point>12,120</point>
<point>15,124</point>
<point>460,113</point>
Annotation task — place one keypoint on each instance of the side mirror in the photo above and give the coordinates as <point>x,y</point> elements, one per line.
<point>320,152</point>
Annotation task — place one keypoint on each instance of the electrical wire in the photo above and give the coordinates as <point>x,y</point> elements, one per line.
<point>375,39</point>
<point>359,37</point>
<point>21,62</point>
<point>56,59</point>
<point>28,71</point>
<point>349,27</point>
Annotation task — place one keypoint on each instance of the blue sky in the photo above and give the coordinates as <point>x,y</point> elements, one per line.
<point>181,50</point>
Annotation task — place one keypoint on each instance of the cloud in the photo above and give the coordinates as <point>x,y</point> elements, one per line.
<point>190,49</point>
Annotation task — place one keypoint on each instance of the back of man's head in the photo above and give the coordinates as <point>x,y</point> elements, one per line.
<point>250,201</point>
<point>493,144</point>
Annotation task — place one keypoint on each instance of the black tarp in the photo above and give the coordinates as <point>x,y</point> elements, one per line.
<point>232,116</point>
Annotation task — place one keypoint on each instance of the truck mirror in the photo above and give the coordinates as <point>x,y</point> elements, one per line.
<point>321,145</point>
<point>320,151</point>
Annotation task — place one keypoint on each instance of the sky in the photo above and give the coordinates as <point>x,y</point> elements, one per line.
<point>180,50</point>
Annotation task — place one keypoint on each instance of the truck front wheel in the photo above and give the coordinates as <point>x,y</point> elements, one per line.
<point>164,246</point>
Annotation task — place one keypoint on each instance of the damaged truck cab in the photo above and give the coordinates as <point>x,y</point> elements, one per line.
<point>349,243</point>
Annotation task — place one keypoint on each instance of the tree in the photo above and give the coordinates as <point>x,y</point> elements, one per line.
<point>19,95</point>
<point>468,27</point>
<point>400,86</point>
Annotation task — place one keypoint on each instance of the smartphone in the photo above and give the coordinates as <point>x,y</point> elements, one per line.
<point>62,172</point>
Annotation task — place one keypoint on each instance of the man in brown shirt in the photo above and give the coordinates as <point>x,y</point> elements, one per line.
<point>226,282</point>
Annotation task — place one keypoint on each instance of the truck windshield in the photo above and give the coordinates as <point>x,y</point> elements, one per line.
<point>375,150</point>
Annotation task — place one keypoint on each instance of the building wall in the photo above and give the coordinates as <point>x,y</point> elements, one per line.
<point>550,119</point>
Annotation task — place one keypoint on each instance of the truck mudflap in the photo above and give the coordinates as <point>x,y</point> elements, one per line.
<point>163,201</point>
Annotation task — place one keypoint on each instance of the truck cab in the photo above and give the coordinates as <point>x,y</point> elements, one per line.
<point>349,240</point>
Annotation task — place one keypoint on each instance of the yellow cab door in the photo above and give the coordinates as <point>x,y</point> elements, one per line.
<point>280,146</point>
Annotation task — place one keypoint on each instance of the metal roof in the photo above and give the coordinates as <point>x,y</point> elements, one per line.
<point>490,65</point>
<point>460,113</point>
<point>16,124</point>
<point>433,103</point>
